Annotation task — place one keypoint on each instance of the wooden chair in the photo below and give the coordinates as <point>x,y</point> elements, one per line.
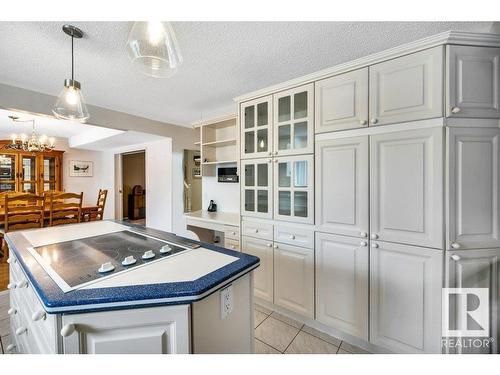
<point>97,213</point>
<point>65,208</point>
<point>3,247</point>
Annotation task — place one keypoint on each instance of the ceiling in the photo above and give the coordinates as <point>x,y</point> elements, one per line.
<point>221,60</point>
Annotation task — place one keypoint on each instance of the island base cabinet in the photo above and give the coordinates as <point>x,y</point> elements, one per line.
<point>156,330</point>
<point>405,298</point>
<point>474,269</point>
<point>342,283</point>
<point>263,275</point>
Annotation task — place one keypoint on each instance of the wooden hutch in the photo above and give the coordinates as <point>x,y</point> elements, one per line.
<point>23,171</point>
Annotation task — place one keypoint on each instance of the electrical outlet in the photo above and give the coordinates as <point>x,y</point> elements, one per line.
<point>226,301</point>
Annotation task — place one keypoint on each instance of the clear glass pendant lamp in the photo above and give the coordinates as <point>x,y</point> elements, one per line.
<point>153,49</point>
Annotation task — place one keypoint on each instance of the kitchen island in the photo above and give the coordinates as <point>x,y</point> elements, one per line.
<point>174,296</point>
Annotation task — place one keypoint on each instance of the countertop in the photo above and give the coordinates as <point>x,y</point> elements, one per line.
<point>225,218</point>
<point>131,296</point>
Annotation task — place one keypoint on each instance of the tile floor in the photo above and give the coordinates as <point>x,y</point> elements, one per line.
<point>4,322</point>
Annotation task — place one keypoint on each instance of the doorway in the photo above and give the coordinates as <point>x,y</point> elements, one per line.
<point>134,187</point>
<point>192,180</point>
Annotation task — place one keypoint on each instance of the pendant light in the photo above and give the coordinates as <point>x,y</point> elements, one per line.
<point>153,49</point>
<point>70,104</point>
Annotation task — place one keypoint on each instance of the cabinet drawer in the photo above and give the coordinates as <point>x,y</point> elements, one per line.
<point>232,244</point>
<point>294,236</point>
<point>232,232</point>
<point>258,230</point>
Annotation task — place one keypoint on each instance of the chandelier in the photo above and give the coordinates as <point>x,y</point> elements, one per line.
<point>33,143</point>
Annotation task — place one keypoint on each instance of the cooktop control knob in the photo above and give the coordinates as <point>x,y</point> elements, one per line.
<point>106,267</point>
<point>129,260</point>
<point>148,254</point>
<point>165,249</point>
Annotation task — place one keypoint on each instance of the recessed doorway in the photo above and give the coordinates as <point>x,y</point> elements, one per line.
<point>134,187</point>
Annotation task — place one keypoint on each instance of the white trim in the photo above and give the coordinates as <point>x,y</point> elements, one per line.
<point>448,37</point>
<point>215,120</point>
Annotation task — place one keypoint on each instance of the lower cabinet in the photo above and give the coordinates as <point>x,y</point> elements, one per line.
<point>342,283</point>
<point>263,276</point>
<point>405,298</point>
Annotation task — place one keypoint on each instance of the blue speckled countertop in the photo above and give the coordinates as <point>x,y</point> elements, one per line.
<point>99,299</point>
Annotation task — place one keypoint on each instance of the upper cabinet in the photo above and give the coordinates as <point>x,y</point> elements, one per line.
<point>342,102</point>
<point>407,88</point>
<point>256,188</point>
<point>473,82</point>
<point>256,128</point>
<point>294,121</point>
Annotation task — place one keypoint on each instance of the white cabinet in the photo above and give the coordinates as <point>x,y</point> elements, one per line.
<point>263,282</point>
<point>405,298</point>
<point>476,269</point>
<point>294,121</point>
<point>294,278</point>
<point>256,131</point>
<point>342,283</point>
<point>294,189</point>
<point>406,187</point>
<point>256,188</point>
<point>473,82</point>
<point>124,331</point>
<point>473,188</point>
<point>341,102</point>
<point>342,186</point>
<point>407,88</point>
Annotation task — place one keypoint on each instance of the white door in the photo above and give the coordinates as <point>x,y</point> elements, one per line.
<point>294,278</point>
<point>473,184</point>
<point>405,298</point>
<point>294,121</point>
<point>342,283</point>
<point>406,187</point>
<point>156,330</point>
<point>342,186</point>
<point>263,283</point>
<point>473,82</point>
<point>341,102</point>
<point>256,188</point>
<point>294,189</point>
<point>256,131</point>
<point>407,88</point>
<point>475,269</point>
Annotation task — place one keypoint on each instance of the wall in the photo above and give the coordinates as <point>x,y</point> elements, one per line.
<point>226,195</point>
<point>134,173</point>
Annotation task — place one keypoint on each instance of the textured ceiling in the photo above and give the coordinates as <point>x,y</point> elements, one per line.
<point>221,60</point>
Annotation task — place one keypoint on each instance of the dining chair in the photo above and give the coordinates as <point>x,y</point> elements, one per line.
<point>65,208</point>
<point>97,212</point>
<point>3,194</point>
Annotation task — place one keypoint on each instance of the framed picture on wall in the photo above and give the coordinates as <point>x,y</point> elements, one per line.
<point>78,168</point>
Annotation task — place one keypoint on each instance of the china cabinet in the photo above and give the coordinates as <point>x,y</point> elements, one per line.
<point>256,130</point>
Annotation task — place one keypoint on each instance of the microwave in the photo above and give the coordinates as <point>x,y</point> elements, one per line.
<point>227,174</point>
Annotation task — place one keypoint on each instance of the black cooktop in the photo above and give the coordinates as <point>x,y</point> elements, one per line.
<point>78,261</point>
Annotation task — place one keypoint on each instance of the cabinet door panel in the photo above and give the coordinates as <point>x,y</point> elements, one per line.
<point>294,279</point>
<point>473,186</point>
<point>342,102</point>
<point>476,269</point>
<point>342,283</point>
<point>405,298</point>
<point>473,82</point>
<point>256,188</point>
<point>255,128</point>
<point>263,282</point>
<point>406,187</point>
<point>407,88</point>
<point>342,186</point>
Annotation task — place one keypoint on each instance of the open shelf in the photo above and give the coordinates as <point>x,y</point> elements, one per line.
<point>218,162</point>
<point>221,143</point>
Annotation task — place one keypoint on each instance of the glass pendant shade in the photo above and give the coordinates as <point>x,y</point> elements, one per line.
<point>153,49</point>
<point>70,104</point>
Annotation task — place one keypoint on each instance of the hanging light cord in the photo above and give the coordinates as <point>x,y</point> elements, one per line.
<point>72,62</point>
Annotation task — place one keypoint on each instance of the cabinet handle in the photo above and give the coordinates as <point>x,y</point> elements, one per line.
<point>455,245</point>
<point>256,230</point>
<point>362,122</point>
<point>292,237</point>
<point>232,247</point>
<point>275,153</point>
<point>269,245</point>
<point>363,243</point>
<point>363,234</point>
<point>10,348</point>
<point>455,257</point>
<point>455,109</point>
<point>22,284</point>
<point>275,246</point>
<point>375,245</point>
<point>374,236</point>
<point>67,330</point>
<point>234,233</point>
<point>11,286</point>
<point>270,153</point>
<point>270,161</point>
<point>12,311</point>
<point>8,260</point>
<point>275,160</point>
<point>21,330</point>
<point>373,121</point>
<point>38,315</point>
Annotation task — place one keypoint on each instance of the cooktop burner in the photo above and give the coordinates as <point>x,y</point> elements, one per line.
<point>84,260</point>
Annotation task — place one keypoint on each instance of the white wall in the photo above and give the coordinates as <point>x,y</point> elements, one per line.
<point>226,195</point>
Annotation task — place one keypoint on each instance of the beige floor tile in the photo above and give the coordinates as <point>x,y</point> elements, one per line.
<point>323,336</point>
<point>352,349</point>
<point>262,309</point>
<point>305,343</point>
<point>276,333</point>
<point>258,317</point>
<point>342,351</point>
<point>262,348</point>
<point>6,341</point>
<point>5,327</point>
<point>287,320</point>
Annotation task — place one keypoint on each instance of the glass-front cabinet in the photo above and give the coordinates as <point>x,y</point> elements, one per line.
<point>256,128</point>
<point>28,176</point>
<point>294,188</point>
<point>50,171</point>
<point>256,188</point>
<point>8,172</point>
<point>294,121</point>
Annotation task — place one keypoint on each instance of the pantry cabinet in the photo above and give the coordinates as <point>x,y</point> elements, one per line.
<point>406,187</point>
<point>294,278</point>
<point>342,283</point>
<point>341,102</point>
<point>294,121</point>
<point>256,188</point>
<point>473,81</point>
<point>407,88</point>
<point>263,281</point>
<point>342,186</point>
<point>256,131</point>
<point>405,297</point>
<point>473,188</point>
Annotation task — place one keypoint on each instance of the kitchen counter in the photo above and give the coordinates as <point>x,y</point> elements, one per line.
<point>223,218</point>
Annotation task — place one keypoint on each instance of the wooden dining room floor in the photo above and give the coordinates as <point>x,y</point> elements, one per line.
<point>4,275</point>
